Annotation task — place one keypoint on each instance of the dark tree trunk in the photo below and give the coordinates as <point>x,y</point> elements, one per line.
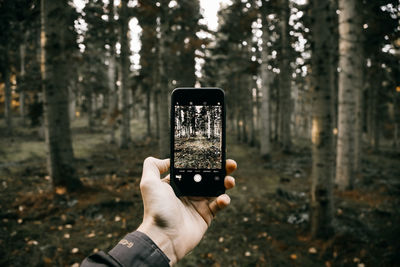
<point>54,67</point>
<point>163,90</point>
<point>321,134</point>
<point>285,81</point>
<point>125,64</point>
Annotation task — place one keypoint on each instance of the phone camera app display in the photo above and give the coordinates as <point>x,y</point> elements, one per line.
<point>198,137</point>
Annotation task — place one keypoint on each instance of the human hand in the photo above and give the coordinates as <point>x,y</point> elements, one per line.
<point>175,224</point>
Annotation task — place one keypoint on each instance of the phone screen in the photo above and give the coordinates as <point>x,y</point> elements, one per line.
<point>198,141</point>
<point>198,137</point>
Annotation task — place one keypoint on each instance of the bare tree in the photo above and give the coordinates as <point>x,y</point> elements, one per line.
<point>54,67</point>
<point>265,142</point>
<point>125,64</point>
<point>350,82</point>
<point>321,135</point>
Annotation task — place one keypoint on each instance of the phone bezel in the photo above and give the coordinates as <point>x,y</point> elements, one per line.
<point>207,187</point>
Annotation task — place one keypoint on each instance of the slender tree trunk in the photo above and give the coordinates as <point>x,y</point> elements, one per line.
<point>285,81</point>
<point>124,57</point>
<point>72,104</point>
<point>90,110</point>
<point>163,91</point>
<point>22,76</point>
<point>7,99</point>
<point>54,67</point>
<point>148,112</point>
<point>321,134</point>
<point>350,64</point>
<point>265,149</point>
<point>157,114</point>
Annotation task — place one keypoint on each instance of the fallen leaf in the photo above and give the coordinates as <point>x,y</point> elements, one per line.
<point>74,250</point>
<point>312,250</point>
<point>61,190</point>
<point>293,256</point>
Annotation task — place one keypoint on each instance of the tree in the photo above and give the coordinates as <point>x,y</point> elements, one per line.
<point>57,39</point>
<point>125,65</point>
<point>321,135</point>
<point>265,143</point>
<point>350,84</point>
<point>163,81</point>
<point>285,103</point>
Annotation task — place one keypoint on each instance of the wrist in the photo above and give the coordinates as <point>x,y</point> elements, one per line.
<point>161,239</point>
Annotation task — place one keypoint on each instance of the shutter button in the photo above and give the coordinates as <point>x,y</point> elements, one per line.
<point>197,178</point>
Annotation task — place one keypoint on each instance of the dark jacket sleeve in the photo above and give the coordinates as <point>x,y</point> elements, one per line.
<point>135,249</point>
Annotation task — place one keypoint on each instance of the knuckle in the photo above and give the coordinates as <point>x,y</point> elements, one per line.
<point>148,160</point>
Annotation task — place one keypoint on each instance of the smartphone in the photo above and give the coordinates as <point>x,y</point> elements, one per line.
<point>198,141</point>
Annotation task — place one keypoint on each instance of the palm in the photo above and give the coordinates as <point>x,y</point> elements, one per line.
<point>185,219</point>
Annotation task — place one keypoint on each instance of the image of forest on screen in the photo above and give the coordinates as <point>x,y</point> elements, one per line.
<point>198,137</point>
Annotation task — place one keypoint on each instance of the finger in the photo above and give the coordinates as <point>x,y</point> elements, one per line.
<point>231,166</point>
<point>153,168</point>
<point>229,182</point>
<point>219,203</point>
<point>166,179</point>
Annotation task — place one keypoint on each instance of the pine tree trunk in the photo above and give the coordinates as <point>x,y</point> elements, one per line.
<point>124,57</point>
<point>163,92</point>
<point>148,112</point>
<point>321,134</point>
<point>22,76</point>
<point>265,149</point>
<point>350,64</point>
<point>54,67</point>
<point>7,100</point>
<point>285,107</point>
<point>71,102</point>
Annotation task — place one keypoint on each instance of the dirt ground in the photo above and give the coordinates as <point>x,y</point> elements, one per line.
<point>267,223</point>
<point>197,153</point>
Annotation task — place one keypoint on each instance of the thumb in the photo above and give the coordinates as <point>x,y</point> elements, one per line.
<point>153,168</point>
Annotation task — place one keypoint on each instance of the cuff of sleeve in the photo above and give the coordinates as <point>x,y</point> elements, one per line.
<point>137,249</point>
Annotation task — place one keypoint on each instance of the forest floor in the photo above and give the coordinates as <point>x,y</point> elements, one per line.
<point>267,223</point>
<point>197,153</point>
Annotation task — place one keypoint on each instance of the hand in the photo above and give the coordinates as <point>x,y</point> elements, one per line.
<point>175,224</point>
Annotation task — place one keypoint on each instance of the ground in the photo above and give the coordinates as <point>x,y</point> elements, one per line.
<point>197,153</point>
<point>265,225</point>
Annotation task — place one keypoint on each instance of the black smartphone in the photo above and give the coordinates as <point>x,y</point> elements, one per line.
<point>198,141</point>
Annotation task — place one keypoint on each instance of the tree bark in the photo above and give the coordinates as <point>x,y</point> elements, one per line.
<point>285,103</point>
<point>54,67</point>
<point>163,89</point>
<point>22,49</point>
<point>321,134</point>
<point>350,64</point>
<point>7,99</point>
<point>265,143</point>
<point>125,64</point>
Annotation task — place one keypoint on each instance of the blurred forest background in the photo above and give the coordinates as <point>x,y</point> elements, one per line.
<point>313,120</point>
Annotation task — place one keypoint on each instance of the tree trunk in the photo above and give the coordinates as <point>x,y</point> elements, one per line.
<point>148,112</point>
<point>22,76</point>
<point>89,108</point>
<point>265,149</point>
<point>321,133</point>
<point>350,64</point>
<point>163,90</point>
<point>54,67</point>
<point>285,102</point>
<point>7,99</point>
<point>125,64</point>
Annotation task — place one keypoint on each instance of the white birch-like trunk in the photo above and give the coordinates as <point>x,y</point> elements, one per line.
<point>350,65</point>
